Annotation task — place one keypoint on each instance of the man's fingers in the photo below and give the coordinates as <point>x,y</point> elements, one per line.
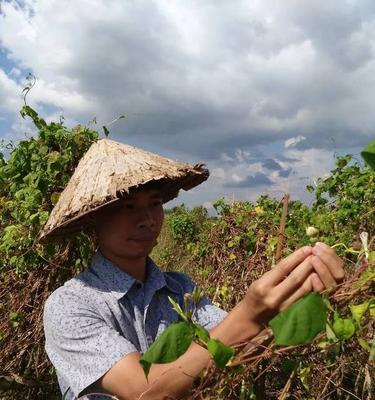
<point>295,281</point>
<point>285,266</point>
<point>330,259</point>
<point>312,283</point>
<point>317,284</point>
<point>307,269</point>
<point>323,272</point>
<point>305,288</point>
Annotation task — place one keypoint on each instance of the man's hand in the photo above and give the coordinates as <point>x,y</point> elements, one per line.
<point>307,269</point>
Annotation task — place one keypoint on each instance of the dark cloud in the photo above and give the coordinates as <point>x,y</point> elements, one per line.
<point>250,181</point>
<point>284,173</point>
<point>337,32</point>
<point>281,157</point>
<point>199,82</point>
<point>271,165</point>
<point>223,91</point>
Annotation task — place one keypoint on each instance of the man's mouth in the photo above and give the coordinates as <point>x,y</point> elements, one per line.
<point>143,239</point>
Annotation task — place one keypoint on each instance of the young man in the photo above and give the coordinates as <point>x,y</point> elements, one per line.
<point>100,322</point>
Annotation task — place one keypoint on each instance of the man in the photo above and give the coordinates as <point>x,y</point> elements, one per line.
<point>100,322</point>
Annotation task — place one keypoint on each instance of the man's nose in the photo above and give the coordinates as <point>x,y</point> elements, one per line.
<point>146,218</point>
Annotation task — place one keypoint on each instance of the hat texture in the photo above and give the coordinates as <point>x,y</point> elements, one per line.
<point>107,172</point>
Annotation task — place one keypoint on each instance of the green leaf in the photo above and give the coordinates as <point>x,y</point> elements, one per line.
<point>146,366</point>
<point>170,345</point>
<point>15,318</point>
<point>106,131</point>
<point>43,217</point>
<point>344,327</point>
<point>358,311</point>
<point>34,218</point>
<point>231,243</point>
<point>220,352</point>
<point>368,154</point>
<point>54,198</point>
<point>177,308</point>
<point>330,334</point>
<point>201,333</point>
<point>27,110</point>
<point>303,373</point>
<point>365,345</point>
<point>301,321</point>
<point>372,308</point>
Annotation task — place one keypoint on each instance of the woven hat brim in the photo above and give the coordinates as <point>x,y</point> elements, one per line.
<point>169,189</point>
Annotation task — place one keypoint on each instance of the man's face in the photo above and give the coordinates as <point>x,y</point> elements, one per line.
<point>130,228</point>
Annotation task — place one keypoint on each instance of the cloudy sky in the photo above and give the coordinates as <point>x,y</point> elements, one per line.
<point>266,93</point>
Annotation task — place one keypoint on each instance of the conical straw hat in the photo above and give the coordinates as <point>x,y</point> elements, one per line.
<point>107,172</point>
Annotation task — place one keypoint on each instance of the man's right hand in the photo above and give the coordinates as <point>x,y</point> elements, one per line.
<point>307,269</point>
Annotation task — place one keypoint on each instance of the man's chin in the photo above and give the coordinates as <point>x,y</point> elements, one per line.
<point>139,244</point>
<point>141,251</point>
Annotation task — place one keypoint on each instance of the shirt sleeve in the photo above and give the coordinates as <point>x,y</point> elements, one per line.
<point>79,343</point>
<point>207,314</point>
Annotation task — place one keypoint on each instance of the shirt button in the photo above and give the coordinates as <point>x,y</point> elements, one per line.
<point>138,285</point>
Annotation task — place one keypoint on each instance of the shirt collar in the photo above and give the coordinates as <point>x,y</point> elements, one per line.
<point>119,282</point>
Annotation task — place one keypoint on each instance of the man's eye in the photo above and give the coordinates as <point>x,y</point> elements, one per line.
<point>125,206</point>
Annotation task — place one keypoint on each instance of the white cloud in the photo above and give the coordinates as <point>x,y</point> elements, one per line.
<point>293,141</point>
<point>236,178</point>
<point>10,93</point>
<point>15,72</point>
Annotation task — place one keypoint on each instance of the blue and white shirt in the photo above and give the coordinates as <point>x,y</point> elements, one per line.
<point>103,314</point>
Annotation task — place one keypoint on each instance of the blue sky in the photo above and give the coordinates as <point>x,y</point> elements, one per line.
<point>264,92</point>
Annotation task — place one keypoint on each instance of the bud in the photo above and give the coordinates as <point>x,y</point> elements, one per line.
<point>188,297</point>
<point>258,210</point>
<point>311,231</point>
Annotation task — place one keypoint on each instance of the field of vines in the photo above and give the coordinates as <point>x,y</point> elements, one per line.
<point>223,254</point>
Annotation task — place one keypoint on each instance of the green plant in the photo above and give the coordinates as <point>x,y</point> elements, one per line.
<point>32,178</point>
<point>176,338</point>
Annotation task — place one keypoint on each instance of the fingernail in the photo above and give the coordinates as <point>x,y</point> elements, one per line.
<point>320,245</point>
<point>307,249</point>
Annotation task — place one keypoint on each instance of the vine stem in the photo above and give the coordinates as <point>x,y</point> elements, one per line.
<point>281,234</point>
<point>347,249</point>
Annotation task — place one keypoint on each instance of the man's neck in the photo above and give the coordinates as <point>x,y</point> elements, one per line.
<point>136,267</point>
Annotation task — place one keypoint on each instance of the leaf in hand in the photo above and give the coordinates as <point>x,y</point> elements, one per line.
<point>202,333</point>
<point>301,321</point>
<point>220,352</point>
<point>170,345</point>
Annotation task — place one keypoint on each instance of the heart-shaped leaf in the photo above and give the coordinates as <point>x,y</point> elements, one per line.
<point>220,352</point>
<point>301,321</point>
<point>202,333</point>
<point>170,345</point>
<point>344,327</point>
